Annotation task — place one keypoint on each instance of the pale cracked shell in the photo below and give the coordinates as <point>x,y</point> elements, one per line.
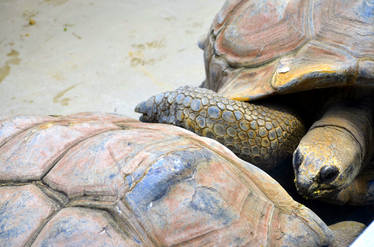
<point>106,180</point>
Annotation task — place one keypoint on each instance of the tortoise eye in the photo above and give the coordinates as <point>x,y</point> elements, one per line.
<point>328,173</point>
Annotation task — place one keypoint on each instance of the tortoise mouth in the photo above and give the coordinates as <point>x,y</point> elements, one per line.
<point>322,193</point>
<point>310,189</point>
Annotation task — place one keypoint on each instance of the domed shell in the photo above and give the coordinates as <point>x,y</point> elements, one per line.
<point>259,48</point>
<point>102,179</point>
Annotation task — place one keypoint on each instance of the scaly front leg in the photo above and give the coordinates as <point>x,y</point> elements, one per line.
<point>261,134</point>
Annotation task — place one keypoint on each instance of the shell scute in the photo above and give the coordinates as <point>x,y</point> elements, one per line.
<point>150,184</point>
<point>275,46</point>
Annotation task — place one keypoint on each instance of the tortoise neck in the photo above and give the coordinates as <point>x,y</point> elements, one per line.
<point>354,116</point>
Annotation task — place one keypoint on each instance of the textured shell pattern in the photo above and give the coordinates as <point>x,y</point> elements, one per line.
<point>259,48</point>
<point>103,179</point>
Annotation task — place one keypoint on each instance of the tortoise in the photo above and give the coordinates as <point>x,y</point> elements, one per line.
<point>103,179</point>
<point>276,68</point>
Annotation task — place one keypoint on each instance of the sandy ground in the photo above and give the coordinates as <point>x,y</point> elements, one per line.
<point>60,56</point>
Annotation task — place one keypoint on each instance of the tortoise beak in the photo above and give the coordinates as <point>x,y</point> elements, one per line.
<point>313,179</point>
<point>304,178</point>
<point>304,186</point>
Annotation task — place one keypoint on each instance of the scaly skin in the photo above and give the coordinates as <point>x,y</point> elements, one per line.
<point>261,134</point>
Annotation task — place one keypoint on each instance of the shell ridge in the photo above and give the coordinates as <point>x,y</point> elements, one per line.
<point>123,213</point>
<point>22,131</point>
<point>32,239</point>
<point>236,163</point>
<point>55,207</point>
<point>227,18</point>
<point>154,146</point>
<point>76,143</point>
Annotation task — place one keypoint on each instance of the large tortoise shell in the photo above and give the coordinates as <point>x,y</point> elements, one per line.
<point>107,180</point>
<point>259,48</point>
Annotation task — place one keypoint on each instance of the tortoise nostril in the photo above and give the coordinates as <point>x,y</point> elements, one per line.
<point>328,173</point>
<point>297,159</point>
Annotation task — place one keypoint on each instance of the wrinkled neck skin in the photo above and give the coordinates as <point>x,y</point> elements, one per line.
<point>336,147</point>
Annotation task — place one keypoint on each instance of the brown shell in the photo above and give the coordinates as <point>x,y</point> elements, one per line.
<point>102,179</point>
<point>258,48</point>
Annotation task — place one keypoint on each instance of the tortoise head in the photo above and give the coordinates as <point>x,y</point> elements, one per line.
<point>325,162</point>
<point>332,153</point>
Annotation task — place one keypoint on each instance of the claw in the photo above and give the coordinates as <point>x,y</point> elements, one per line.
<point>146,109</point>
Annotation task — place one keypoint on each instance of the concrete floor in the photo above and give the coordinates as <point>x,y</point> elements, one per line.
<point>60,56</point>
